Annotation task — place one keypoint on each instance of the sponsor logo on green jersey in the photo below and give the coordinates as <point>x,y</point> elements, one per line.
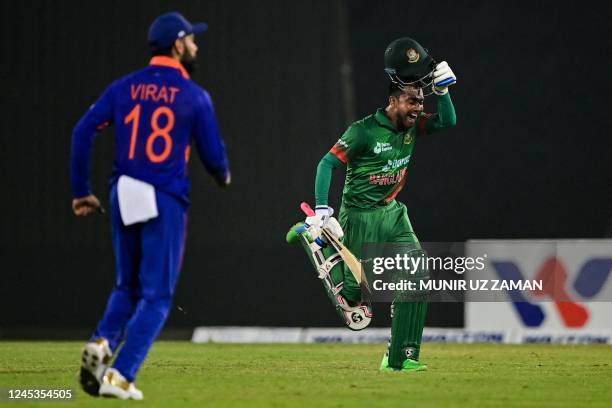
<point>394,164</point>
<point>382,147</point>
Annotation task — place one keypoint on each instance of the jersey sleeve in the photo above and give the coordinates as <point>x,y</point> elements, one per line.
<point>328,163</point>
<point>444,118</point>
<point>352,142</point>
<point>98,117</point>
<point>209,143</point>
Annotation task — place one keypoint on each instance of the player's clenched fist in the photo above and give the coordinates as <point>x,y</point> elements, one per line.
<point>86,205</point>
<point>443,77</point>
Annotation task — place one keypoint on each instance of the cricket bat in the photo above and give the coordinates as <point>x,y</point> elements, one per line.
<point>347,256</point>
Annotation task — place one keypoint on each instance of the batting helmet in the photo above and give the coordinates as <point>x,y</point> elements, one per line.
<point>407,63</point>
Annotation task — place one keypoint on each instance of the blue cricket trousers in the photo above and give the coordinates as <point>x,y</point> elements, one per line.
<point>148,260</point>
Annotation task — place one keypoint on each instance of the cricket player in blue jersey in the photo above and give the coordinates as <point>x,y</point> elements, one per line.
<point>157,112</point>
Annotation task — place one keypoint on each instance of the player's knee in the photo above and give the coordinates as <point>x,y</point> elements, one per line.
<point>126,289</point>
<point>160,305</point>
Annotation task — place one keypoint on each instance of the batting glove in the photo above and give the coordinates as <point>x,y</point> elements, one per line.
<point>443,77</point>
<point>321,217</point>
<point>334,227</point>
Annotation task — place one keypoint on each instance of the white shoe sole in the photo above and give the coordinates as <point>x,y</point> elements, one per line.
<point>113,391</point>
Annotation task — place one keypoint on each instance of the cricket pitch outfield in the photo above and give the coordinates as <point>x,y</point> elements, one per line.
<point>183,374</point>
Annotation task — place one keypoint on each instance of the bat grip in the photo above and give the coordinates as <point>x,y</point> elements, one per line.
<point>307,209</point>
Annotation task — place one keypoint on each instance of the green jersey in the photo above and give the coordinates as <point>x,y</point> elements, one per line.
<point>377,155</point>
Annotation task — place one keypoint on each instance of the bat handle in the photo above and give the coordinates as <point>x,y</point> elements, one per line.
<point>307,209</point>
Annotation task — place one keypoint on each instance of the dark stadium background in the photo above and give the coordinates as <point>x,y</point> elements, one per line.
<point>529,158</point>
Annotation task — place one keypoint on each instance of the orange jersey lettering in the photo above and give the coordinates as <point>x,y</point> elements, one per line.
<point>153,92</point>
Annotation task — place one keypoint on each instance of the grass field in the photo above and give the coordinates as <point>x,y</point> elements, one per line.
<point>181,374</point>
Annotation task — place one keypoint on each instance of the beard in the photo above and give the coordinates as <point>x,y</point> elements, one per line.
<point>189,62</point>
<point>407,121</point>
<point>402,126</point>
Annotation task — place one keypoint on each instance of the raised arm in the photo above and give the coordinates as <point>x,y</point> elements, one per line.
<point>444,118</point>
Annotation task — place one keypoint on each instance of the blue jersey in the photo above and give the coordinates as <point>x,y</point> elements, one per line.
<point>157,112</point>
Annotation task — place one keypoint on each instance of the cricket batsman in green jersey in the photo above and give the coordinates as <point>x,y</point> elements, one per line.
<point>376,151</point>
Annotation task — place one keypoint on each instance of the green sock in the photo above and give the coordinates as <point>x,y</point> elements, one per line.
<point>408,321</point>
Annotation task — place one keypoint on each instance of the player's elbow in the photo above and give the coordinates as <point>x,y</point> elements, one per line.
<point>329,162</point>
<point>79,129</point>
<point>83,131</point>
<point>80,141</point>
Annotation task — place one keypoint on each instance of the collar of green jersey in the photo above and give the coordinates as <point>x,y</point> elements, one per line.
<point>383,120</point>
